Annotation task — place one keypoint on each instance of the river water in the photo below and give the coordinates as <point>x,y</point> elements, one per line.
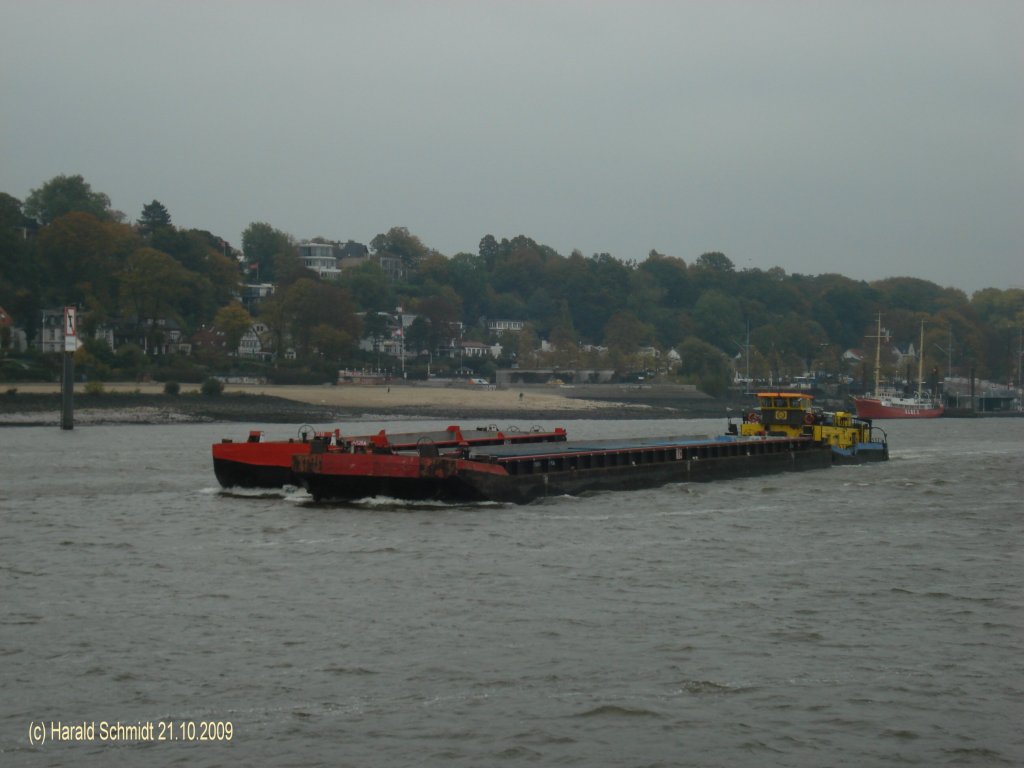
<point>857,616</point>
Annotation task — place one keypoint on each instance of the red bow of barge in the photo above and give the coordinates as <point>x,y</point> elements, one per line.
<point>260,463</point>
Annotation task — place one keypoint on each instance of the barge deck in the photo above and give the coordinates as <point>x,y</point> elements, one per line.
<point>520,474</point>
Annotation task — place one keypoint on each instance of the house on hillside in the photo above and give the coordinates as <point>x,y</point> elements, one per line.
<point>385,332</point>
<point>321,258</point>
<point>254,293</point>
<point>352,254</point>
<point>905,357</point>
<point>209,337</point>
<point>255,342</point>
<point>478,349</point>
<point>499,326</point>
<point>328,258</point>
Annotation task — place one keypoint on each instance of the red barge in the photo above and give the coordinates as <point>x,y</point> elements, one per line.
<point>261,463</point>
<point>784,434</point>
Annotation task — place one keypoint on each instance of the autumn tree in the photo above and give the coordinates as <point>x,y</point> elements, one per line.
<point>83,257</point>
<point>309,303</point>
<point>330,342</point>
<point>21,279</point>
<point>705,366</point>
<point>62,195</point>
<point>433,268</point>
<point>288,268</point>
<point>266,250</point>
<point>916,295</point>
<point>375,327</point>
<point>417,336</point>
<point>1000,308</point>
<point>274,313</point>
<point>488,250</point>
<point>712,270</point>
<point>233,320</point>
<point>1001,312</point>
<point>398,241</point>
<point>526,344</point>
<point>594,289</point>
<point>563,334</point>
<point>442,311</point>
<point>542,305</point>
<point>216,276</point>
<point>670,275</point>
<point>842,306</point>
<point>714,261</point>
<point>467,274</point>
<point>516,271</point>
<point>151,284</point>
<point>719,319</point>
<point>625,333</point>
<point>369,287</point>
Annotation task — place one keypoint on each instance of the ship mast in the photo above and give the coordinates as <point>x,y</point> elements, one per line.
<point>878,355</point>
<point>920,366</point>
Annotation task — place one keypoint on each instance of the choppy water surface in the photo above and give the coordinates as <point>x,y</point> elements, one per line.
<point>863,616</point>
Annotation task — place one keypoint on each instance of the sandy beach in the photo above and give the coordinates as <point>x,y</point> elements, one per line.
<point>403,397</point>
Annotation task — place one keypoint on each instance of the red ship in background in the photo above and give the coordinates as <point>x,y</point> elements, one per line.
<point>891,403</point>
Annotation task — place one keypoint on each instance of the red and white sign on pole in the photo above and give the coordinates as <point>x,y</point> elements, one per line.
<point>70,329</point>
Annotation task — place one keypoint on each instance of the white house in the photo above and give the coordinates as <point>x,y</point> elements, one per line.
<point>320,258</point>
<point>500,326</point>
<point>253,343</point>
<point>476,349</point>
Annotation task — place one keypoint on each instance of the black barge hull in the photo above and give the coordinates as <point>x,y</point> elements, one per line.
<point>522,475</point>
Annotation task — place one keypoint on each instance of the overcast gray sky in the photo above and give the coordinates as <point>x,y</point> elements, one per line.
<point>872,139</point>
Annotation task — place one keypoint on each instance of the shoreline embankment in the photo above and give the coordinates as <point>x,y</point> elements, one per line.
<point>38,404</point>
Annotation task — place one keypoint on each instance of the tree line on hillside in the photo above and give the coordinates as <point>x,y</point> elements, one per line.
<point>65,245</point>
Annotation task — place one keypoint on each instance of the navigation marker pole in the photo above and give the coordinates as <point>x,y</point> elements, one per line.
<point>67,382</point>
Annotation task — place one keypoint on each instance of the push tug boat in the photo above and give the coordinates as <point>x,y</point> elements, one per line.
<point>853,440</point>
<point>261,463</point>
<point>784,434</point>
